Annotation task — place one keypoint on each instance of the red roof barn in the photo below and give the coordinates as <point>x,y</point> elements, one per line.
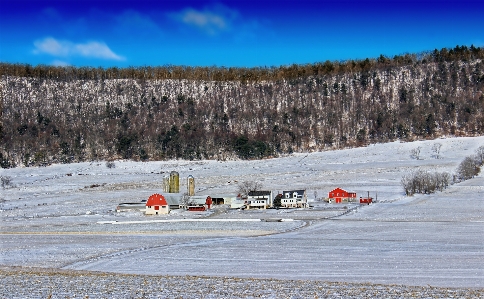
<point>339,195</point>
<point>156,204</point>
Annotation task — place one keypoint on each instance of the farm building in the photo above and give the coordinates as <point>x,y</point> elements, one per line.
<point>366,200</point>
<point>156,204</point>
<point>294,199</point>
<point>238,202</point>
<point>339,195</point>
<point>196,200</point>
<point>259,199</point>
<point>129,206</point>
<point>223,199</point>
<point>197,208</point>
<point>257,204</point>
<point>173,199</point>
<point>217,199</point>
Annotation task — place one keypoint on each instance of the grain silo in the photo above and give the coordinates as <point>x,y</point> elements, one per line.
<point>191,185</point>
<point>174,182</point>
<point>166,184</point>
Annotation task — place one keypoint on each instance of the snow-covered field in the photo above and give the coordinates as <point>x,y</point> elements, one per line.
<point>50,218</point>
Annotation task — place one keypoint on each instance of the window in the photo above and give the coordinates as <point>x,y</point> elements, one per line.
<point>287,195</point>
<point>157,208</point>
<point>294,195</point>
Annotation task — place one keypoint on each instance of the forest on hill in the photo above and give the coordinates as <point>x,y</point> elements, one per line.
<point>68,114</point>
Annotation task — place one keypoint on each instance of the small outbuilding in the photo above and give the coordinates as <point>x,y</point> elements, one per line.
<point>156,204</point>
<point>197,208</point>
<point>366,200</point>
<point>339,195</point>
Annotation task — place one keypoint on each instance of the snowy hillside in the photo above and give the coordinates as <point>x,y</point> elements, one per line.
<point>48,119</point>
<point>50,215</point>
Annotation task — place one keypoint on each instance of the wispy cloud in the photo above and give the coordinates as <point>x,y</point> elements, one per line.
<point>97,50</point>
<point>63,48</point>
<point>136,20</point>
<point>211,20</point>
<point>52,47</point>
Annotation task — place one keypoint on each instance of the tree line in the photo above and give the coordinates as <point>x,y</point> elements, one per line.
<point>255,74</point>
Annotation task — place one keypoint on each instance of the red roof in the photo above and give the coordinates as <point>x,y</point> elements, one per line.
<point>156,200</point>
<point>339,190</point>
<point>342,193</point>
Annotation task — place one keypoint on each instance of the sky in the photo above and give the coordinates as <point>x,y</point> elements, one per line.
<point>263,33</point>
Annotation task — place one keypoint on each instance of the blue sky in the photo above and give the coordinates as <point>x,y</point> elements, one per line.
<point>125,33</point>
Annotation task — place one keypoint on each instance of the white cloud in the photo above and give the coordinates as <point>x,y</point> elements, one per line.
<point>211,20</point>
<point>97,50</point>
<point>64,48</point>
<point>206,20</point>
<point>51,46</point>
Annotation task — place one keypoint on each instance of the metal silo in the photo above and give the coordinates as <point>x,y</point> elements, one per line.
<point>174,182</point>
<point>166,184</point>
<point>191,185</point>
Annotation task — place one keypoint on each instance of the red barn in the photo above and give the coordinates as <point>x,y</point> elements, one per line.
<point>339,195</point>
<point>156,204</point>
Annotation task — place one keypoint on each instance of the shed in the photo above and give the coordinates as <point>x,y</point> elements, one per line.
<point>156,204</point>
<point>366,200</point>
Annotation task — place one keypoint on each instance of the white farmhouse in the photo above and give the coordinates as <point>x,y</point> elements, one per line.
<point>259,199</point>
<point>294,199</point>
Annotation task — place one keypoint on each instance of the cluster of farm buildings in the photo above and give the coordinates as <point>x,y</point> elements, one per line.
<point>171,198</point>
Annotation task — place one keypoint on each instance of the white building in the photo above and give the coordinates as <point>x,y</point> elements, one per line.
<point>294,199</point>
<point>259,199</point>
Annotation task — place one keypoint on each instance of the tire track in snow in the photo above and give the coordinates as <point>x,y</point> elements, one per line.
<point>85,263</point>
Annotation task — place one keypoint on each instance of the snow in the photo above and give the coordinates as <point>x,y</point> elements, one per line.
<point>63,216</point>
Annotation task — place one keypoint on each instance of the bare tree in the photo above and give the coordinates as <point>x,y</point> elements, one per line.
<point>247,186</point>
<point>425,182</point>
<point>6,181</point>
<point>436,149</point>
<point>443,179</point>
<point>407,184</point>
<point>415,153</point>
<point>468,168</point>
<point>480,155</point>
<point>185,200</point>
<point>110,164</point>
